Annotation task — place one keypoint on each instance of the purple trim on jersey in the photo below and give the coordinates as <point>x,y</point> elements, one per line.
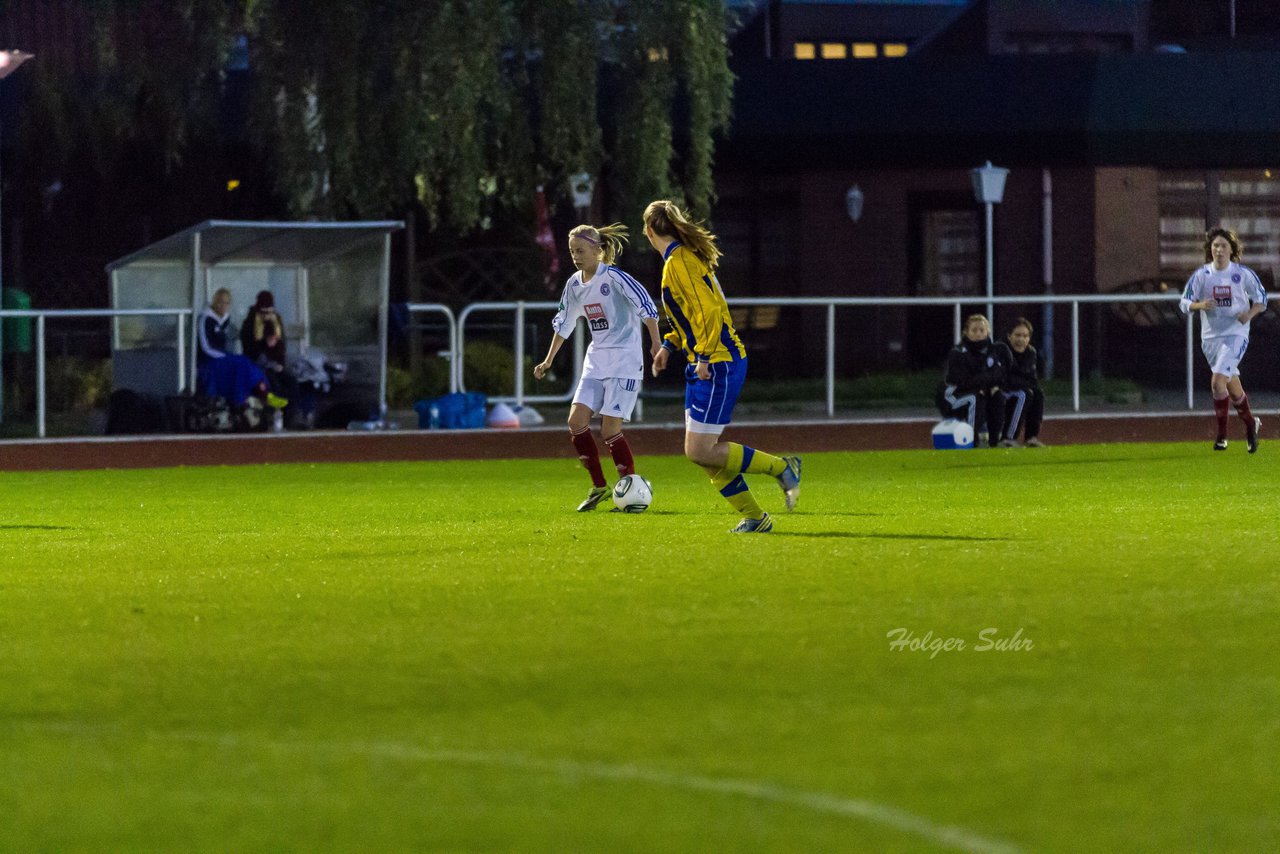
<point>670,249</point>
<point>727,340</point>
<point>669,300</point>
<point>645,301</point>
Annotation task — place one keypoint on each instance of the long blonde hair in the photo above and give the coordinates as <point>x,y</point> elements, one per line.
<point>667,220</point>
<point>610,238</point>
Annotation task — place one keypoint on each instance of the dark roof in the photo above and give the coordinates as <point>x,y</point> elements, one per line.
<point>1164,110</point>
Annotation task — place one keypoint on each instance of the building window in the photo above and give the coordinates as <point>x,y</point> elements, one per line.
<point>865,50</point>
<point>834,50</point>
<point>1250,204</point>
<point>952,253</point>
<point>893,50</point>
<point>805,50</point>
<point>1183,208</point>
<point>1247,201</point>
<point>1058,42</point>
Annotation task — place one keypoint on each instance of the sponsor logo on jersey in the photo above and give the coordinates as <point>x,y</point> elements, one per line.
<point>1222,295</point>
<point>595,316</point>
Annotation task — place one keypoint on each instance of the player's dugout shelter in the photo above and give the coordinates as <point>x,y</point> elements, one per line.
<point>330,281</point>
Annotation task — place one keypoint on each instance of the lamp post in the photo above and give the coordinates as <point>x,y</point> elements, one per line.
<point>9,62</point>
<point>988,189</point>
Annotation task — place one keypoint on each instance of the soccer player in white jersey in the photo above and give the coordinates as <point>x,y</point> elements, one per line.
<point>1228,295</point>
<point>615,305</point>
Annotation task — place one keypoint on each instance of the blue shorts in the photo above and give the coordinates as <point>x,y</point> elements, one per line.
<point>711,401</point>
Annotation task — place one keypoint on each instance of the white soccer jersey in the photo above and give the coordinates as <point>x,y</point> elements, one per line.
<point>1232,290</point>
<point>614,305</point>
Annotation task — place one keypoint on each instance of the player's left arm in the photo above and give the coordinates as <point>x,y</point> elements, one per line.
<point>655,337</point>
<point>1257,299</point>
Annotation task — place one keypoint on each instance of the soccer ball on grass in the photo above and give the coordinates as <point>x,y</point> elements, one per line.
<point>632,494</point>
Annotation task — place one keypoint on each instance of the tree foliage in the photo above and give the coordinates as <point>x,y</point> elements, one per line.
<point>358,108</point>
<point>467,105</point>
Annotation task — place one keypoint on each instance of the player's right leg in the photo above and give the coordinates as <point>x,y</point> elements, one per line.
<point>708,408</point>
<point>1223,355</point>
<point>1221,410</point>
<point>585,444</point>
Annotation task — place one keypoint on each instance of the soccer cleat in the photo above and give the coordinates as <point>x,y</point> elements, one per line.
<point>1008,443</point>
<point>275,401</point>
<point>1219,444</point>
<point>594,497</point>
<point>981,442</point>
<point>1251,435</point>
<point>763,525</point>
<point>789,480</point>
<point>1034,442</point>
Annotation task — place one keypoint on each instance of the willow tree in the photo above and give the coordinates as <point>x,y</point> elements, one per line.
<point>467,105</point>
<point>362,107</point>
<point>119,118</point>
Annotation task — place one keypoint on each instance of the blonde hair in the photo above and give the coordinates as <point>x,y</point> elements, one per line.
<point>667,220</point>
<point>968,321</point>
<point>610,239</point>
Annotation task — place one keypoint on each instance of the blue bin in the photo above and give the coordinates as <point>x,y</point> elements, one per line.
<point>457,411</point>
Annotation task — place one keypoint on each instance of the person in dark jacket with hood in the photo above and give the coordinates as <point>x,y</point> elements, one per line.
<point>1024,401</point>
<point>970,390</point>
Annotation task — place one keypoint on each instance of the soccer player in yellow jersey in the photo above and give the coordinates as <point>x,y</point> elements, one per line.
<point>716,364</point>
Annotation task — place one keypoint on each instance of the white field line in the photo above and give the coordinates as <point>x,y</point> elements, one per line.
<point>947,836</point>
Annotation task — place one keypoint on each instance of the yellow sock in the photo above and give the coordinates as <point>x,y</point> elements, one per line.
<point>734,489</point>
<point>750,461</point>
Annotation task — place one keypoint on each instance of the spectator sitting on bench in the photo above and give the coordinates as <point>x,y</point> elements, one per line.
<point>262,342</point>
<point>220,373</point>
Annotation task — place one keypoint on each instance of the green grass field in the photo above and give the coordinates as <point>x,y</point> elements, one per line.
<point>444,656</point>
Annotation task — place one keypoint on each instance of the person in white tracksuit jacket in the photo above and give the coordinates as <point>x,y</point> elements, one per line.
<point>1228,296</point>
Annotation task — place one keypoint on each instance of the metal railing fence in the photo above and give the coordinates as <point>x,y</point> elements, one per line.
<point>831,304</point>
<point>41,315</point>
<point>457,334</point>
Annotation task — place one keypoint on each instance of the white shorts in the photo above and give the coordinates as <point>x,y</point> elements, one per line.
<point>692,426</point>
<point>613,396</point>
<point>1224,354</point>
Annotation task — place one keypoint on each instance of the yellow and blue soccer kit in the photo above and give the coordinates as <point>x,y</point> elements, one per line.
<point>702,328</point>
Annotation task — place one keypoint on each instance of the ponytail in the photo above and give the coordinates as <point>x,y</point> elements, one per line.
<point>667,220</point>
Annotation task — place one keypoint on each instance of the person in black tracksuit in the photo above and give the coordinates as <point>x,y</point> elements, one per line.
<point>1023,399</point>
<point>970,389</point>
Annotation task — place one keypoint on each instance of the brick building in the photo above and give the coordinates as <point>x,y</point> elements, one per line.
<point>1126,127</point>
